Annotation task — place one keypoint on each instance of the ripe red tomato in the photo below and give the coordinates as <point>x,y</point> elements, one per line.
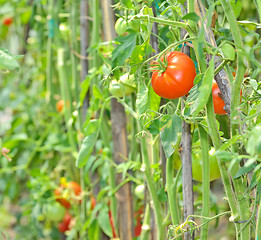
<point>138,226</point>
<point>93,202</point>
<point>178,77</point>
<point>75,187</point>
<point>61,199</point>
<point>218,102</point>
<point>64,225</point>
<point>59,105</point>
<point>8,21</point>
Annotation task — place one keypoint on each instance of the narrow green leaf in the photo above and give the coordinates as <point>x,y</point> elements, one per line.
<point>191,16</point>
<point>88,143</point>
<point>205,88</point>
<point>104,222</point>
<point>245,169</point>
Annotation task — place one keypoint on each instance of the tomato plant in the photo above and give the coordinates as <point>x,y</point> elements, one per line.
<point>54,212</point>
<point>67,192</point>
<point>8,21</point>
<point>176,79</point>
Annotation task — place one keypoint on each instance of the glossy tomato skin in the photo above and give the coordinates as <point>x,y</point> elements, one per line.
<point>178,77</point>
<point>218,102</point>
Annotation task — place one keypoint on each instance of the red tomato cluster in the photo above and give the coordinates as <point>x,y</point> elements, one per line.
<point>177,78</point>
<point>72,188</point>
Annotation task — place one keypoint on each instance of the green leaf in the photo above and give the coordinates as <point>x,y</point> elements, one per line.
<point>7,60</point>
<point>245,169</point>
<point>85,87</point>
<point>230,142</point>
<point>253,84</point>
<point>88,143</point>
<point>162,195</point>
<point>147,99</point>
<point>127,3</point>
<point>229,51</point>
<point>191,16</point>
<point>124,49</point>
<point>224,155</point>
<point>205,88</point>
<point>139,54</point>
<point>236,6</point>
<point>104,222</point>
<point>97,93</point>
<point>169,134</point>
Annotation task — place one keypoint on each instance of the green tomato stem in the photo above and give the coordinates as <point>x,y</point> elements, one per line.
<point>258,222</point>
<point>145,234</point>
<point>240,186</point>
<point>172,191</point>
<point>152,188</point>
<point>205,179</point>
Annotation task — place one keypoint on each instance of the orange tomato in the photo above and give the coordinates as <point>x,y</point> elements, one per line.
<point>59,105</point>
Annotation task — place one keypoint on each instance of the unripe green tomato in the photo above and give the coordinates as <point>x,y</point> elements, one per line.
<point>139,191</point>
<point>122,25</point>
<point>54,211</point>
<point>197,165</point>
<point>122,87</point>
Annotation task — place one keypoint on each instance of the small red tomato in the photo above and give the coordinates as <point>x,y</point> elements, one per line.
<point>112,225</point>
<point>64,225</point>
<point>75,187</point>
<point>61,200</point>
<point>67,218</point>
<point>59,105</point>
<point>178,77</point>
<point>93,202</point>
<point>8,21</point>
<point>217,100</point>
